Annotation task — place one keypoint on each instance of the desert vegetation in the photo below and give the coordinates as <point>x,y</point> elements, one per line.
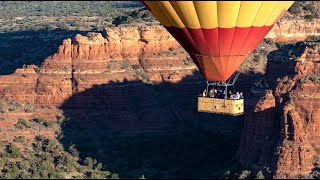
<point>46,158</point>
<point>97,15</point>
<point>307,10</point>
<point>257,60</point>
<point>66,15</point>
<point>40,156</point>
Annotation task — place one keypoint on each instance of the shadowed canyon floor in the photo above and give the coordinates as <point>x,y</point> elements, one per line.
<point>167,137</point>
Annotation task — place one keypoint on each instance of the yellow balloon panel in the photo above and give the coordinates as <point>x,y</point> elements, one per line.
<point>213,14</point>
<point>283,5</point>
<point>227,13</point>
<point>248,12</point>
<point>187,13</point>
<point>264,13</point>
<point>203,9</point>
<point>171,13</point>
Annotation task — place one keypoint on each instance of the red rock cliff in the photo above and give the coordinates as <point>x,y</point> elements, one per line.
<point>286,30</point>
<point>281,131</point>
<point>84,61</point>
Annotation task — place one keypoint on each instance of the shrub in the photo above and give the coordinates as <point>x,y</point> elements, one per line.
<point>37,70</point>
<point>313,38</point>
<point>136,66</point>
<point>133,16</point>
<point>48,124</point>
<point>99,175</point>
<point>308,7</point>
<point>310,78</point>
<point>39,120</point>
<point>314,78</point>
<point>66,69</point>
<point>122,20</point>
<point>28,110</point>
<point>21,124</point>
<point>99,166</point>
<point>19,139</point>
<point>114,176</point>
<point>13,150</point>
<point>256,58</point>
<point>74,152</point>
<point>124,64</point>
<point>280,45</point>
<point>310,17</point>
<point>295,9</point>
<point>89,162</point>
<point>260,175</point>
<point>40,138</point>
<point>268,40</point>
<point>308,150</point>
<point>244,174</point>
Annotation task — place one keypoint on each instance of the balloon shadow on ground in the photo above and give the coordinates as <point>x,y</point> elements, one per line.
<point>136,128</point>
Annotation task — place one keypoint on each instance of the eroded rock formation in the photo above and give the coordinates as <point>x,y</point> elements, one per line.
<point>148,53</point>
<point>281,132</point>
<point>295,30</point>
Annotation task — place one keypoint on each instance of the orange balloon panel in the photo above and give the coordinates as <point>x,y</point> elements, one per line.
<point>218,35</point>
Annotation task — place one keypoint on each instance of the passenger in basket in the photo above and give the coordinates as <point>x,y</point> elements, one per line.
<point>241,95</point>
<point>236,96</point>
<point>219,94</point>
<point>204,93</point>
<point>229,95</point>
<point>211,93</point>
<point>223,94</point>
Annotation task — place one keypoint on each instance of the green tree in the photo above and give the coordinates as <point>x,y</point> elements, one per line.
<point>260,175</point>
<point>13,150</point>
<point>89,162</point>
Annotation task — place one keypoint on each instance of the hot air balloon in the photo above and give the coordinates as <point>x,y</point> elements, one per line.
<point>218,36</point>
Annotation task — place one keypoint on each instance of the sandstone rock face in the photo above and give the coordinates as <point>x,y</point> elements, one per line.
<point>107,73</point>
<point>294,30</point>
<point>84,61</point>
<point>281,132</point>
<point>159,54</point>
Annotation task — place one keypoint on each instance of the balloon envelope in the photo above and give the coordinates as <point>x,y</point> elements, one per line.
<point>218,35</point>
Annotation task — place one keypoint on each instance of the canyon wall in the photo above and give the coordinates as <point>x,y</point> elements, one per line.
<point>296,30</point>
<point>149,54</point>
<point>110,74</point>
<point>281,131</point>
<point>102,58</point>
